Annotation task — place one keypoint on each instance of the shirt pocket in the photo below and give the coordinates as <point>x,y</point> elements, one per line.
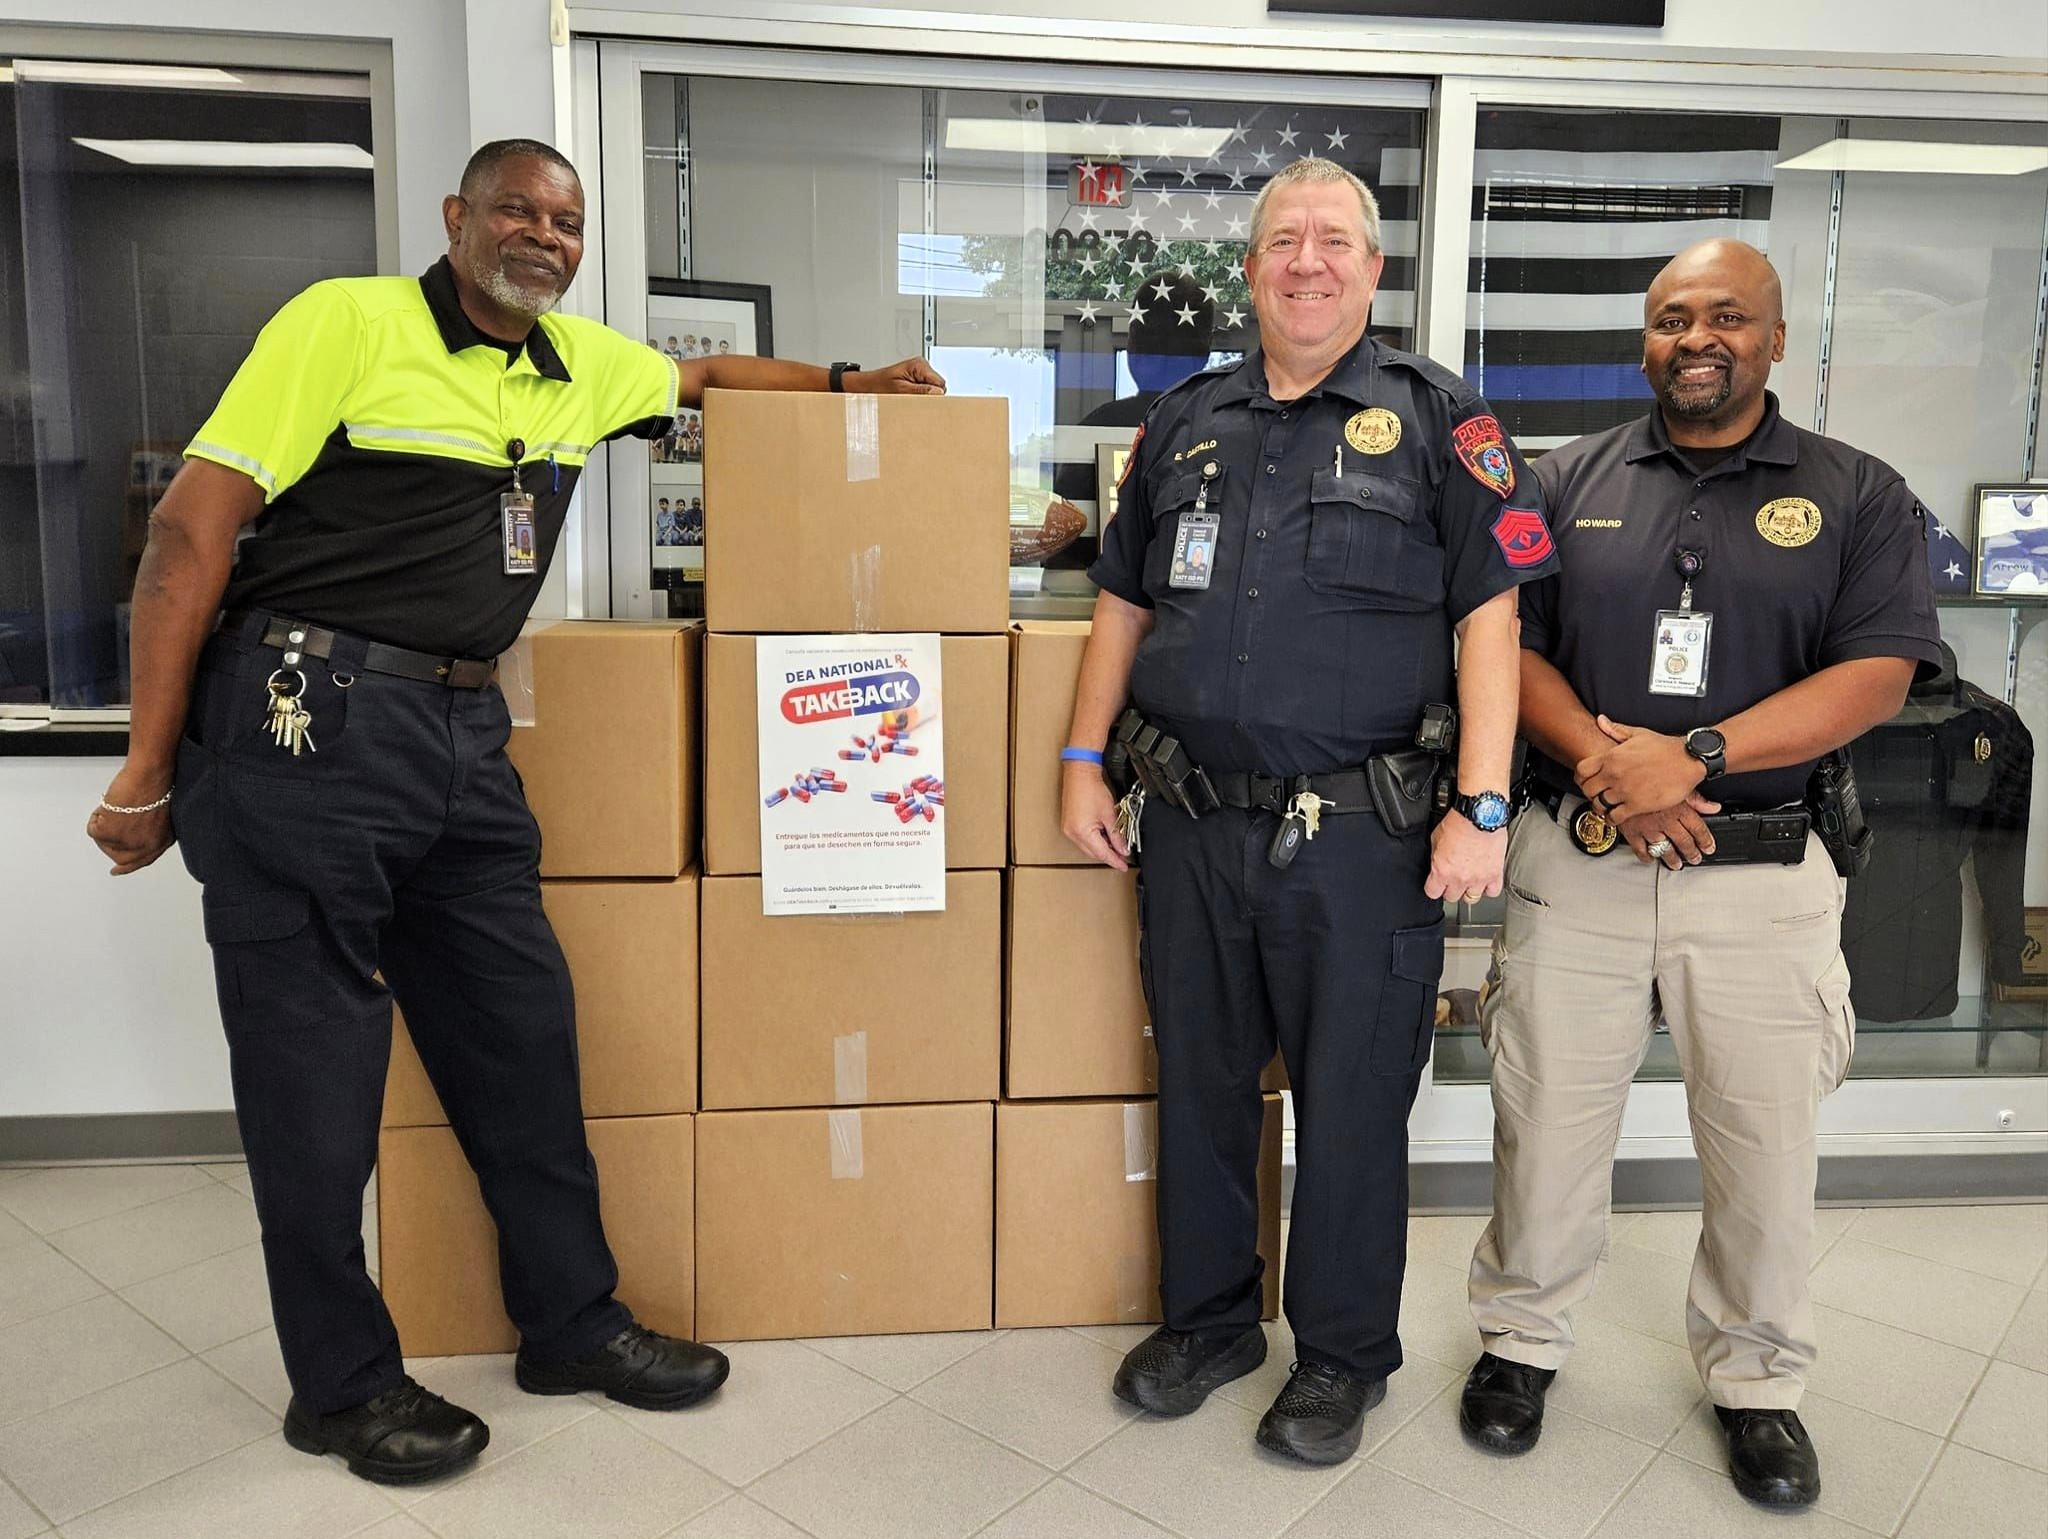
<point>1370,538</point>
<point>1174,496</point>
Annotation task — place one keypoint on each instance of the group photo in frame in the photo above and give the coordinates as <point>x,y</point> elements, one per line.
<point>689,319</point>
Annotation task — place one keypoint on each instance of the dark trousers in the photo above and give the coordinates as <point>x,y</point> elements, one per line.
<point>1337,958</point>
<point>401,845</point>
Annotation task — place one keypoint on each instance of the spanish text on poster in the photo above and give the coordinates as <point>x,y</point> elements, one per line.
<point>853,774</point>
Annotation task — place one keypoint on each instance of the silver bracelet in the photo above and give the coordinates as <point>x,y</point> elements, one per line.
<point>161,801</point>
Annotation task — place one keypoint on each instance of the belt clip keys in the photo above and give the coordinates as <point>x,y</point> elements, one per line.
<point>289,719</point>
<point>1130,811</point>
<point>1301,822</point>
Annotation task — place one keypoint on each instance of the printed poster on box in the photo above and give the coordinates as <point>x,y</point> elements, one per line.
<point>853,770</point>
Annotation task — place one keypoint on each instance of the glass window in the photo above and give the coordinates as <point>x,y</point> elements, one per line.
<point>1912,258</point>
<point>154,218</point>
<point>1075,254</point>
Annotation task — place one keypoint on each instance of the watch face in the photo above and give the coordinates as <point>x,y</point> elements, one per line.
<point>1705,741</point>
<point>1490,811</point>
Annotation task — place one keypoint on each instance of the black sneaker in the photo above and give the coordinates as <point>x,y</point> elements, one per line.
<point>1320,1416</point>
<point>637,1367</point>
<point>1502,1407</point>
<point>1770,1457</point>
<point>400,1438</point>
<point>1170,1373</point>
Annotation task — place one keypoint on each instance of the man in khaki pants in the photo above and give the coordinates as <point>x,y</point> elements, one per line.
<point>1738,598</point>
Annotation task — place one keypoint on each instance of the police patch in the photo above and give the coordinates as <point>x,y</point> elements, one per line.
<point>1482,448</point>
<point>1523,537</point>
<point>1788,521</point>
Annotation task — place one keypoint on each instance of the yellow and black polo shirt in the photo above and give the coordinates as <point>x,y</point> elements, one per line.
<point>377,419</point>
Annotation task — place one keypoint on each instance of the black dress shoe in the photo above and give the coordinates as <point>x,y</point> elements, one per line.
<point>400,1438</point>
<point>637,1367</point>
<point>1170,1373</point>
<point>1502,1407</point>
<point>1320,1416</point>
<point>1771,1457</point>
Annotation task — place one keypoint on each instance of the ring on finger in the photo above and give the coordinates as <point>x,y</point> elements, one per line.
<point>1659,849</point>
<point>1606,802</point>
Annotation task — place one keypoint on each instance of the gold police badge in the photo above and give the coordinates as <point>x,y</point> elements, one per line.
<point>1593,833</point>
<point>1788,521</point>
<point>1981,749</point>
<point>1373,431</point>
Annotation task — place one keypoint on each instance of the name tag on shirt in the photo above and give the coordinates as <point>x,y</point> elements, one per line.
<point>521,558</point>
<point>1194,550</point>
<point>1678,652</point>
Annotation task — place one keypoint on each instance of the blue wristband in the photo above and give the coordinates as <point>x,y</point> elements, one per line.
<point>1080,755</point>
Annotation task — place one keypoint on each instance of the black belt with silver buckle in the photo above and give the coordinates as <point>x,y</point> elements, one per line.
<point>1343,791</point>
<point>278,631</point>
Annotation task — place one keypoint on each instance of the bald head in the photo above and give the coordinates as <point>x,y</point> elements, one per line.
<point>1733,264</point>
<point>1713,324</point>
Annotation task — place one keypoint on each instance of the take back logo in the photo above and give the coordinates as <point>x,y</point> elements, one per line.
<point>840,691</point>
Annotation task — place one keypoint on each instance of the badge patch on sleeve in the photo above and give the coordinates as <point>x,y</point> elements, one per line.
<point>1482,448</point>
<point>1523,537</point>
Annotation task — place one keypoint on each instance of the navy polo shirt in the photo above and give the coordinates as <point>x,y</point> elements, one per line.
<point>1815,553</point>
<point>1359,523</point>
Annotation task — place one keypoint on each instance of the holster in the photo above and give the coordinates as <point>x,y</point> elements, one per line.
<point>1838,814</point>
<point>1405,788</point>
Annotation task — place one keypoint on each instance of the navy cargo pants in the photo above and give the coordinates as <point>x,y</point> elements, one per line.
<point>401,845</point>
<point>1337,957</point>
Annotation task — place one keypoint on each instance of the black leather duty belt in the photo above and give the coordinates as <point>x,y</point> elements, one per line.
<point>376,657</point>
<point>1344,791</point>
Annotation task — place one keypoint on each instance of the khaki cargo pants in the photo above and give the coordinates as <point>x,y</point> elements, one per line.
<point>1746,964</point>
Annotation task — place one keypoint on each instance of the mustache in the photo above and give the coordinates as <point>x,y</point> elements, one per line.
<point>1722,359</point>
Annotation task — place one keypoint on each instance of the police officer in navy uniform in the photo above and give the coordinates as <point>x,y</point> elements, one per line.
<point>1356,507</point>
<point>406,451</point>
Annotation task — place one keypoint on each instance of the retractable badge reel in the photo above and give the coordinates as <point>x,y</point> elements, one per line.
<point>1194,541</point>
<point>1680,639</point>
<point>515,508</point>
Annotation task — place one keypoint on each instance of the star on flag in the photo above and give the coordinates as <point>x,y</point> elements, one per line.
<point>1088,313</point>
<point>1233,317</point>
<point>1336,137</point>
<point>1137,313</point>
<point>1288,135</point>
<point>1186,314</point>
<point>1951,570</point>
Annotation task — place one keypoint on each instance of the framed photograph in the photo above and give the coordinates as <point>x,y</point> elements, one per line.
<point>1110,460</point>
<point>689,319</point>
<point>2012,541</point>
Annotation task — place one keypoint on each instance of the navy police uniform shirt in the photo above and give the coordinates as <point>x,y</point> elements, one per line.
<point>1358,524</point>
<point>1814,554</point>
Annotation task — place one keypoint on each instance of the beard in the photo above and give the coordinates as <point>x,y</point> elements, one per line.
<point>517,298</point>
<point>1696,404</point>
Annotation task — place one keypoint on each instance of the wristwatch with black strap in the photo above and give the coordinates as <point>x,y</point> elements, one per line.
<point>1487,811</point>
<point>839,373</point>
<point>1710,748</point>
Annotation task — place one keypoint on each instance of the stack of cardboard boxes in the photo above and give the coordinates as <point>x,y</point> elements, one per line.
<point>846,1150</point>
<point>848,1168</point>
<point>615,790</point>
<point>1077,1131</point>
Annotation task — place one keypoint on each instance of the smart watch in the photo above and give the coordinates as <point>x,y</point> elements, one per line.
<point>1710,748</point>
<point>1487,810</point>
<point>839,373</point>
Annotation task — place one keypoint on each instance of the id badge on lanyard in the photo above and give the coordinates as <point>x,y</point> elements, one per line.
<point>1195,540</point>
<point>1681,639</point>
<point>515,512</point>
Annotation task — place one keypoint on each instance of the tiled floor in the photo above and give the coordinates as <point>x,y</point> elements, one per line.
<point>140,1391</point>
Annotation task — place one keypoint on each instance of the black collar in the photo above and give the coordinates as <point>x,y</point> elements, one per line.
<point>1775,441</point>
<point>1350,378</point>
<point>458,331</point>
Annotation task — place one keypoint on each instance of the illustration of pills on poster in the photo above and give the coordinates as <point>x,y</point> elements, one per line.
<point>853,772</point>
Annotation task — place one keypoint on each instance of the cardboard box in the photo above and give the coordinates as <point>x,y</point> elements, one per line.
<point>632,950</point>
<point>610,762</point>
<point>1077,1237</point>
<point>973,719</point>
<point>439,1248</point>
<point>1045,662</point>
<point>851,1009</point>
<point>845,1223</point>
<point>857,512</point>
<point>1068,924</point>
<point>1065,924</point>
<point>2033,962</point>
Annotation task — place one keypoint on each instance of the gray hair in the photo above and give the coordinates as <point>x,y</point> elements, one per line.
<point>1314,170</point>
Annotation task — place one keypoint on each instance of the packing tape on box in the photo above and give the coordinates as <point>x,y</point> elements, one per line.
<point>847,1160</point>
<point>864,586</point>
<point>863,438</point>
<point>1141,1140</point>
<point>850,1068</point>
